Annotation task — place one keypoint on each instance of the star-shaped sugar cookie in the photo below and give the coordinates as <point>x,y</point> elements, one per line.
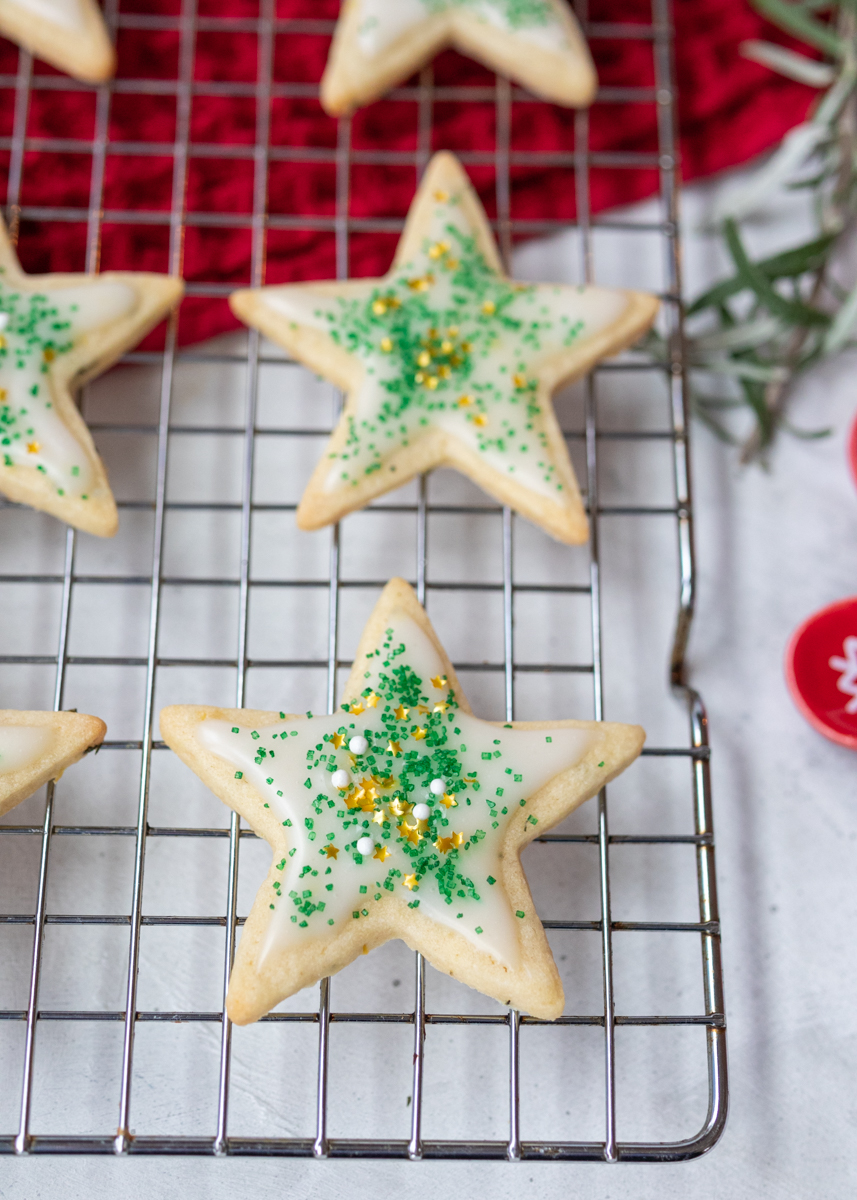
<point>38,746</point>
<point>447,362</point>
<point>69,34</point>
<point>380,43</point>
<point>56,333</point>
<point>401,816</point>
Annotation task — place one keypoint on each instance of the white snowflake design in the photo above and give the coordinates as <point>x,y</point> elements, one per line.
<point>848,666</point>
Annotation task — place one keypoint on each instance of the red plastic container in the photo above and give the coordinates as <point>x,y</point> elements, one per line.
<point>821,671</point>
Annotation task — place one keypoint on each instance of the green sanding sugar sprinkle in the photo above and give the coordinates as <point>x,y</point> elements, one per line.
<point>413,727</point>
<point>239,774</point>
<point>517,14</point>
<point>447,341</point>
<point>520,914</point>
<point>36,332</point>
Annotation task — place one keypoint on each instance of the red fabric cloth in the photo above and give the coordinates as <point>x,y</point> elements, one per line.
<point>731,109</point>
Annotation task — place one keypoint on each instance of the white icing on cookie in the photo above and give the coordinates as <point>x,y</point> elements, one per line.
<point>59,12</point>
<point>534,21</point>
<point>21,745</point>
<point>447,865</point>
<point>37,327</point>
<point>446,342</point>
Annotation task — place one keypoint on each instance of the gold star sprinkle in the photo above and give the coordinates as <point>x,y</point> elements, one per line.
<point>357,709</point>
<point>402,713</point>
<point>431,382</point>
<point>410,882</point>
<point>372,700</point>
<point>520,381</point>
<point>441,196</point>
<point>439,681</point>
<point>441,706</point>
<point>33,447</point>
<point>337,741</point>
<point>489,308</point>
<point>399,807</point>
<point>381,853</point>
<point>378,819</point>
<point>444,845</point>
<point>420,733</point>
<point>394,748</point>
<point>331,851</point>
<point>457,839</point>
<point>387,345</point>
<point>409,833</point>
<point>49,354</point>
<point>379,308</point>
<point>480,419</point>
<point>448,800</point>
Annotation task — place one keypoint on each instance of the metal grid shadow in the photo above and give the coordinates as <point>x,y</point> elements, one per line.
<point>511,589</point>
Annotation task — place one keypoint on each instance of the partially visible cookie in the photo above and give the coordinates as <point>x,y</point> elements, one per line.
<point>56,333</point>
<point>38,746</point>
<point>400,816</point>
<point>69,34</point>
<point>380,43</point>
<point>447,362</point>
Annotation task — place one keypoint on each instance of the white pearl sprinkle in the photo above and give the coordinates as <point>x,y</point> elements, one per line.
<point>437,787</point>
<point>422,812</point>
<point>358,745</point>
<point>365,846</point>
<point>341,779</point>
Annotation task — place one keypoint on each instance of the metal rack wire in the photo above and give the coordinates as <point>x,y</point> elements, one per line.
<point>33,1017</point>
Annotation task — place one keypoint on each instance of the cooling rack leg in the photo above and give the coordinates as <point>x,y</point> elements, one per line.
<point>414,1146</point>
<point>22,1141</point>
<point>319,1147</point>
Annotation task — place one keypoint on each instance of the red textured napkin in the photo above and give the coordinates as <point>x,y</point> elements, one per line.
<point>730,109</point>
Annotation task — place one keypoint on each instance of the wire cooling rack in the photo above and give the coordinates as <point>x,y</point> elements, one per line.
<point>113,1035</point>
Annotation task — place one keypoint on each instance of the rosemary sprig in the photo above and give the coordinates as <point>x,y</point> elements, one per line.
<point>752,335</point>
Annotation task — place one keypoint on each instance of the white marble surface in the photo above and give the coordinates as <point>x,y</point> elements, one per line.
<point>772,548</point>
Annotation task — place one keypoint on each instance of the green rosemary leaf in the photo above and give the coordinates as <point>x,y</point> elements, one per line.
<point>795,19</point>
<point>740,368</point>
<point>757,281</point>
<point>797,261</point>
<point>754,394</point>
<point>745,336</point>
<point>842,325</point>
<point>786,62</point>
<point>701,408</point>
<point>806,435</point>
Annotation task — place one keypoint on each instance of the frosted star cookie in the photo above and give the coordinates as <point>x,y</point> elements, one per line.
<point>38,746</point>
<point>401,816</point>
<point>56,333</point>
<point>380,43</point>
<point>448,363</point>
<point>69,34</point>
